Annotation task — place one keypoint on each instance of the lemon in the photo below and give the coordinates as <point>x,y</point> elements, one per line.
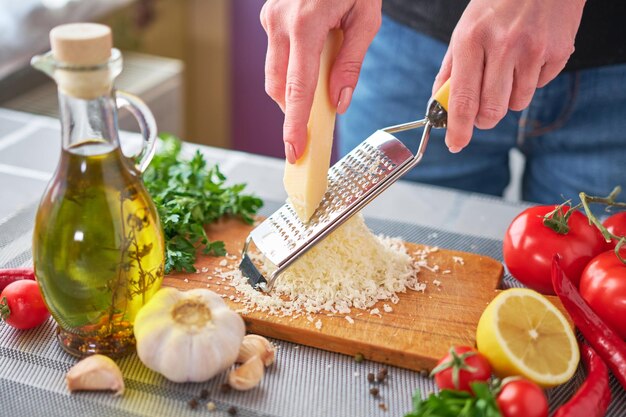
<point>522,333</point>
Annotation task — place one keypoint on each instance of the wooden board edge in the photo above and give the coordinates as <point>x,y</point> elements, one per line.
<point>326,342</point>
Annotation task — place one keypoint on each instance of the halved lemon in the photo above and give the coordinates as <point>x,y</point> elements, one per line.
<point>522,333</point>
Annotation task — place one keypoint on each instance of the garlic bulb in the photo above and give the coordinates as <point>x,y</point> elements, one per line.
<point>188,336</point>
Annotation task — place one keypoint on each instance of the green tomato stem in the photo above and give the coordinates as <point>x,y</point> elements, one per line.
<point>5,311</point>
<point>557,220</point>
<point>457,363</point>
<point>593,220</point>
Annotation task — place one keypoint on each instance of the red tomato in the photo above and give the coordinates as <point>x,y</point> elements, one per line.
<point>603,286</point>
<point>522,398</point>
<point>471,365</point>
<point>24,307</point>
<point>529,246</point>
<point>616,224</point>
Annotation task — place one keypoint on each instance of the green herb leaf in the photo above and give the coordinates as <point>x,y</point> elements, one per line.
<point>188,195</point>
<point>451,403</point>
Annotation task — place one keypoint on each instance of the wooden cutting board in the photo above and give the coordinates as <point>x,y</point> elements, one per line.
<point>419,330</point>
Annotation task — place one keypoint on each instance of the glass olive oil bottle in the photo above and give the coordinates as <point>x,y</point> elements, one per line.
<point>98,246</point>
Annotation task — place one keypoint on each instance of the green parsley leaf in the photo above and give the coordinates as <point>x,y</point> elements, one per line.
<point>451,403</point>
<point>188,195</point>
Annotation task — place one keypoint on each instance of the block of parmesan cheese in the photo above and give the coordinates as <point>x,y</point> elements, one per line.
<point>306,180</point>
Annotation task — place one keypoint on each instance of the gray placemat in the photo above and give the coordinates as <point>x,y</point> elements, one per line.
<point>303,382</point>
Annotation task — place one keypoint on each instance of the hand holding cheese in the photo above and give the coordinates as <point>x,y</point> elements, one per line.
<point>296,30</point>
<point>306,180</point>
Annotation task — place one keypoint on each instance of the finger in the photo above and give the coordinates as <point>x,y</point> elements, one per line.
<point>525,79</point>
<point>347,67</point>
<point>496,90</point>
<point>444,72</point>
<point>276,61</point>
<point>301,80</point>
<point>549,71</point>
<point>465,87</point>
<point>263,16</point>
<point>553,66</point>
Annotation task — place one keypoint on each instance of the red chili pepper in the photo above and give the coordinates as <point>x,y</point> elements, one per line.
<point>8,276</point>
<point>601,337</point>
<point>594,395</point>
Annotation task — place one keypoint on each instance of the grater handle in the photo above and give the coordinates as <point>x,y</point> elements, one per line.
<point>436,116</point>
<point>442,95</point>
<point>436,112</point>
<point>406,126</point>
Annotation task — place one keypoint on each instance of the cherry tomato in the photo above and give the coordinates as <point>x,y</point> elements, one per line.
<point>529,246</point>
<point>468,364</point>
<point>616,224</point>
<point>522,398</point>
<point>22,306</point>
<point>603,286</point>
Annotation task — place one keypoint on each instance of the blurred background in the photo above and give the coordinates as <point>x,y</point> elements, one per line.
<point>197,63</point>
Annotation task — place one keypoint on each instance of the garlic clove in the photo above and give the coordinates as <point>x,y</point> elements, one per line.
<point>252,345</point>
<point>95,373</point>
<point>248,375</point>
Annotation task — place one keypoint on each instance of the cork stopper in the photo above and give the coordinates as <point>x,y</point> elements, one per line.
<point>81,44</point>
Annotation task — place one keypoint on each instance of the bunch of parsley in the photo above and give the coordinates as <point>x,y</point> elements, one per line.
<point>450,403</point>
<point>189,195</point>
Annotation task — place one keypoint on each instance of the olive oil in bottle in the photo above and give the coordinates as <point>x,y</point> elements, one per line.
<point>98,246</point>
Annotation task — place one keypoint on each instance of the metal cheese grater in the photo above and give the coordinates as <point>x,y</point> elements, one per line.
<point>353,182</point>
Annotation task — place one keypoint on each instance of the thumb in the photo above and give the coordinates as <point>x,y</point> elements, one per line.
<point>347,67</point>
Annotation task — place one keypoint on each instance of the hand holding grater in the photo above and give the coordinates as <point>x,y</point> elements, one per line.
<point>353,182</point>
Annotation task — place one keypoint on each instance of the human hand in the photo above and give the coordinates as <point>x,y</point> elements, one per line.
<point>296,31</point>
<point>499,54</point>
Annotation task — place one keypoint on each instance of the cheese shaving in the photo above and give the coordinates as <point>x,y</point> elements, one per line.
<point>351,268</point>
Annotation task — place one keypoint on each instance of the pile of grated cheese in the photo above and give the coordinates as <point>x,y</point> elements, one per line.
<point>351,268</point>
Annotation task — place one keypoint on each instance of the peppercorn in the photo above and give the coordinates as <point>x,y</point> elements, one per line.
<point>374,391</point>
<point>382,374</point>
<point>204,394</point>
<point>224,388</point>
<point>193,403</point>
<point>232,411</point>
<point>370,377</point>
<point>382,406</point>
